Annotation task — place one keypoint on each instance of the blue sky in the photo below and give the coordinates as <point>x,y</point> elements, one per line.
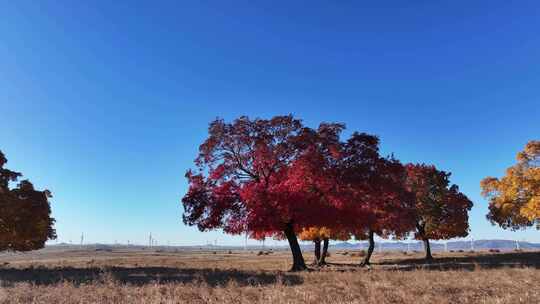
<point>105,103</point>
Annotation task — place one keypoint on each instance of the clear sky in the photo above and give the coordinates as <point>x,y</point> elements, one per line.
<point>105,102</point>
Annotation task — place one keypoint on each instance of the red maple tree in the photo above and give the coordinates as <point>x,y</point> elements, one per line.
<point>372,189</point>
<point>441,210</point>
<point>252,179</point>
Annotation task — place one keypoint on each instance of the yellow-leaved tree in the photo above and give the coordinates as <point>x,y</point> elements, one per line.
<point>514,199</point>
<point>324,235</point>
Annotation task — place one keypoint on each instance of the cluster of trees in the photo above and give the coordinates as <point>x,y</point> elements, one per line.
<point>279,178</point>
<point>25,213</point>
<point>514,199</point>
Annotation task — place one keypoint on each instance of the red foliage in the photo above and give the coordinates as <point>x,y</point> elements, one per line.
<point>274,177</point>
<point>261,175</point>
<point>372,190</point>
<point>441,210</point>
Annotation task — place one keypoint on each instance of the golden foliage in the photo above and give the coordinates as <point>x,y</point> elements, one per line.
<point>314,233</point>
<point>515,198</point>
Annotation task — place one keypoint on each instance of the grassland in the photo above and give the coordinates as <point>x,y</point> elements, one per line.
<point>144,276</point>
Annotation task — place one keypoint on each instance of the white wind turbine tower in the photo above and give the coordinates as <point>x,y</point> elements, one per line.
<point>82,239</point>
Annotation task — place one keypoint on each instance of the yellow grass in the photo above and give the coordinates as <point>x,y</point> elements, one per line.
<point>129,276</point>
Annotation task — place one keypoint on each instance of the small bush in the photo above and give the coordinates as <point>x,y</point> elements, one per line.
<point>494,250</point>
<point>103,249</point>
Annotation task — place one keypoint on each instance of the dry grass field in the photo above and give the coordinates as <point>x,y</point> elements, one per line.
<point>144,276</point>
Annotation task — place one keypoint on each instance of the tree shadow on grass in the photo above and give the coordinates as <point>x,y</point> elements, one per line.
<point>344,264</point>
<point>479,260</point>
<point>143,275</point>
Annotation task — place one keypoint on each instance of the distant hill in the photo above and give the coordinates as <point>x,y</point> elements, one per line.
<point>503,245</point>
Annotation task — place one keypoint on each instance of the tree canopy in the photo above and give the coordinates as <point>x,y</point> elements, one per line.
<point>249,174</point>
<point>441,210</point>
<point>514,199</point>
<point>25,221</point>
<point>277,177</point>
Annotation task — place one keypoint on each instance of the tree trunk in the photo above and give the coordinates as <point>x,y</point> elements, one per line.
<point>298,259</point>
<point>422,235</point>
<point>322,260</point>
<point>317,251</point>
<point>370,249</point>
<point>429,257</point>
